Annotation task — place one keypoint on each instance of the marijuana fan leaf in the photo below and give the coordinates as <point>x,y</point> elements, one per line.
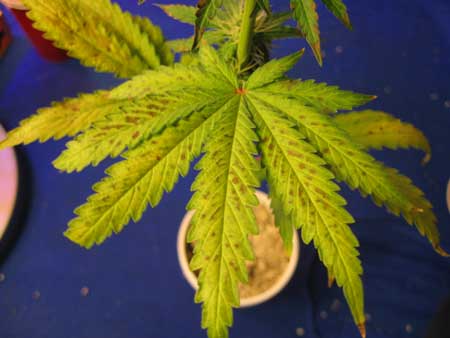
<point>159,121</point>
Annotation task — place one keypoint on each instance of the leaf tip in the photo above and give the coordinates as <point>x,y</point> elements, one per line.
<point>441,251</point>
<point>362,329</point>
<point>330,281</point>
<point>425,160</point>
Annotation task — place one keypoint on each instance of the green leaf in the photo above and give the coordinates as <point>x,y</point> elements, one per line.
<point>361,171</point>
<point>320,96</point>
<point>377,130</point>
<point>272,71</point>
<point>300,182</point>
<point>338,8</point>
<point>182,13</point>
<point>223,219</point>
<point>206,11</point>
<point>116,42</point>
<point>305,13</point>
<point>65,118</point>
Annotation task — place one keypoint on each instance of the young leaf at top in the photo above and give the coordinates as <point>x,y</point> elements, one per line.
<point>182,13</point>
<point>305,13</point>
<point>338,8</point>
<point>377,130</point>
<point>117,43</point>
<point>206,10</point>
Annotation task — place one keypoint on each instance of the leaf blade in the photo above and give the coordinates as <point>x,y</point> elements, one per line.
<point>182,13</point>
<point>305,13</point>
<point>361,171</point>
<point>122,48</point>
<point>223,202</point>
<point>339,9</point>
<point>301,184</point>
<point>378,130</point>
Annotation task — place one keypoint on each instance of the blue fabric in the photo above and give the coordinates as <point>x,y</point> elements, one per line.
<point>399,50</point>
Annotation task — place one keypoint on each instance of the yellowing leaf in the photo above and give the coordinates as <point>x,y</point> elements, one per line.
<point>361,171</point>
<point>376,129</point>
<point>320,96</point>
<point>140,179</point>
<point>223,219</point>
<point>298,178</point>
<point>116,43</point>
<point>65,118</point>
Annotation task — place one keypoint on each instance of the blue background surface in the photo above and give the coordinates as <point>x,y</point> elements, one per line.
<point>399,50</point>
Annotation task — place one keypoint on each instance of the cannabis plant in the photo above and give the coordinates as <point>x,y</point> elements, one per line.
<point>229,104</point>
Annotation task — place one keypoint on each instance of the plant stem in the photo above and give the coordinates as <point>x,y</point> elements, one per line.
<point>246,34</point>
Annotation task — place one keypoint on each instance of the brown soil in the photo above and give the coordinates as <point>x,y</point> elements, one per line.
<point>271,258</point>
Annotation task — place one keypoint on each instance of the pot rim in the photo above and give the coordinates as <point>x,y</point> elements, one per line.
<point>263,297</point>
<point>8,187</point>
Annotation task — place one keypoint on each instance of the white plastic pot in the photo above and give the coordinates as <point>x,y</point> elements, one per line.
<point>245,302</point>
<point>9,182</point>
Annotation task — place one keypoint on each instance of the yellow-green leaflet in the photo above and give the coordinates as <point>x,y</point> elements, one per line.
<point>101,35</point>
<point>377,130</point>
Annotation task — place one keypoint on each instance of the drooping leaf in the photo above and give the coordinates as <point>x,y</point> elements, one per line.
<point>223,219</point>
<point>116,42</point>
<point>338,8</point>
<point>71,116</point>
<point>300,182</point>
<point>65,118</point>
<point>320,96</point>
<point>305,13</point>
<point>206,10</point>
<point>377,130</point>
<point>139,180</point>
<point>182,13</point>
